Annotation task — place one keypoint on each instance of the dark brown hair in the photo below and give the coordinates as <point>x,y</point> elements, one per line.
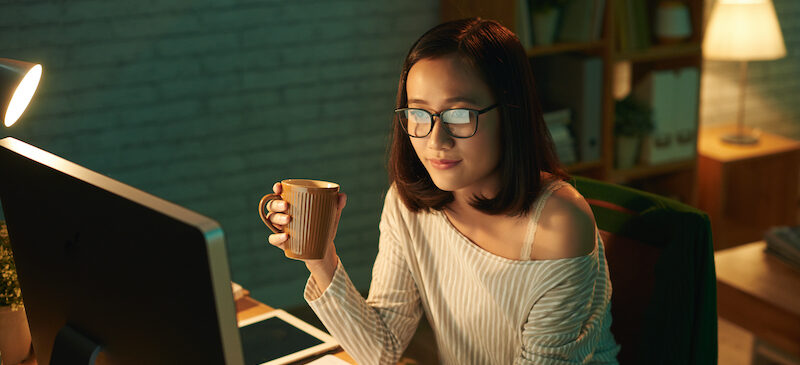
<point>527,148</point>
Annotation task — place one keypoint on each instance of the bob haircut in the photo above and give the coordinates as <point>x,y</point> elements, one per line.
<point>526,146</point>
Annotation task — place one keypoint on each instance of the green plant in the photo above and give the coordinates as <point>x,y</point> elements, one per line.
<point>10,293</point>
<point>538,6</point>
<point>632,118</point>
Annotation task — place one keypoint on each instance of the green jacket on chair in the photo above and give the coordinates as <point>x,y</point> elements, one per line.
<point>661,261</point>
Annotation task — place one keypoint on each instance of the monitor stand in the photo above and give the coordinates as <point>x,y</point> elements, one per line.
<point>73,348</point>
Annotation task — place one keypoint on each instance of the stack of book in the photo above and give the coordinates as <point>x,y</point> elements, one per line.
<point>632,25</point>
<point>784,243</point>
<point>558,122</point>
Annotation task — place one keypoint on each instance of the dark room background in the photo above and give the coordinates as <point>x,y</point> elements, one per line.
<point>208,103</point>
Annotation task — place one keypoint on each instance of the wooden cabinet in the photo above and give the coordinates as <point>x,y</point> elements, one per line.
<point>755,291</point>
<point>747,189</point>
<point>673,179</point>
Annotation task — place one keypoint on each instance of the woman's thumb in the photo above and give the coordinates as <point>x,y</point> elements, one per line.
<point>342,202</point>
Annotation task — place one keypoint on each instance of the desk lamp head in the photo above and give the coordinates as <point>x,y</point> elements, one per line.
<point>18,83</point>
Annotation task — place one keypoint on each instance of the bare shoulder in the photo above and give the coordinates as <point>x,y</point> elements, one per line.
<point>566,227</point>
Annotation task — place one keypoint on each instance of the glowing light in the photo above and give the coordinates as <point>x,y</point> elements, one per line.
<point>23,95</point>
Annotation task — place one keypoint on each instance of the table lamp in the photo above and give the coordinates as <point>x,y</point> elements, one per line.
<point>743,30</point>
<point>18,82</point>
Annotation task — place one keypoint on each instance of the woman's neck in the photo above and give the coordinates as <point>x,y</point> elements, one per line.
<point>461,206</point>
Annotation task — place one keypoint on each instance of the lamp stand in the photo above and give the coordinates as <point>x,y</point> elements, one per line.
<point>741,137</point>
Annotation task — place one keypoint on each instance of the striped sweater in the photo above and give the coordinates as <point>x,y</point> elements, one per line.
<point>483,308</point>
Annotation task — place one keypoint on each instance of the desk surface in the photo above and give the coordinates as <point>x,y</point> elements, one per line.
<point>760,293</point>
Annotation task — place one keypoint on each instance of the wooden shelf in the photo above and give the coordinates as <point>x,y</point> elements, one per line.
<point>668,179</point>
<point>566,47</point>
<point>660,52</point>
<point>643,171</point>
<point>584,166</point>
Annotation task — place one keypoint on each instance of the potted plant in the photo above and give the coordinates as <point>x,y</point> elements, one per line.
<point>544,19</point>
<point>633,121</point>
<point>15,336</point>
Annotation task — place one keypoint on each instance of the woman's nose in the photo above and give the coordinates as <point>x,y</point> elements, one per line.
<point>439,138</point>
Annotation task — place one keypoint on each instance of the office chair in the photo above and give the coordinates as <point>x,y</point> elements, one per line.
<point>661,261</point>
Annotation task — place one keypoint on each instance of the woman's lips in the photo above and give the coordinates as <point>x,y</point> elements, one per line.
<point>443,164</point>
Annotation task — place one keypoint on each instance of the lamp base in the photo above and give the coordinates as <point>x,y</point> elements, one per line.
<point>740,139</point>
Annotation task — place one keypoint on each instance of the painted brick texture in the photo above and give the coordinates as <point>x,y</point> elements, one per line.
<point>208,103</point>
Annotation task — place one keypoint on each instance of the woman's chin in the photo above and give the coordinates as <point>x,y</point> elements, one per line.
<point>446,184</point>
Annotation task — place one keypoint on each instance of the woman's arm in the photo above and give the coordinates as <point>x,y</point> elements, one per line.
<point>569,319</point>
<point>565,324</point>
<point>376,330</point>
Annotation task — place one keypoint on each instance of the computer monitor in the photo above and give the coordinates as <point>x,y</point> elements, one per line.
<point>102,263</point>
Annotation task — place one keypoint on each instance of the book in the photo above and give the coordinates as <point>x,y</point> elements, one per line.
<point>641,24</point>
<point>597,19</point>
<point>630,25</point>
<point>673,97</point>
<point>784,243</point>
<point>523,18</point>
<point>576,82</point>
<point>576,21</point>
<point>558,122</point>
<point>620,25</point>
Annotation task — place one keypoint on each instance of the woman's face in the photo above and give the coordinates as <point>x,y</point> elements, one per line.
<point>455,164</point>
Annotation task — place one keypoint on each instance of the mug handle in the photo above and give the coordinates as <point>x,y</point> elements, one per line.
<point>265,217</point>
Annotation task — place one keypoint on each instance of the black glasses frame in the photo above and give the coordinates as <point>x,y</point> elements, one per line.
<point>439,116</point>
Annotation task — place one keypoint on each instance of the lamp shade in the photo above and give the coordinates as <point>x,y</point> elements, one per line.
<point>18,82</point>
<point>743,30</point>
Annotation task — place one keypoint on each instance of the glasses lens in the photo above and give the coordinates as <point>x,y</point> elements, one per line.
<point>460,122</point>
<point>416,122</point>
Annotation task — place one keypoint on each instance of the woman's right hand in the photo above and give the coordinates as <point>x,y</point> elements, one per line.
<point>280,219</point>
<point>322,269</point>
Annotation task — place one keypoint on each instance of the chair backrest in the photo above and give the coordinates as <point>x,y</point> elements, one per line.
<point>661,261</point>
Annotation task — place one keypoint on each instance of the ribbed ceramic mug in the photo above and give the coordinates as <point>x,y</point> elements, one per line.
<point>312,206</point>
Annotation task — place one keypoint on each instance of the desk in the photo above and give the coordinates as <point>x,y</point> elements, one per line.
<point>759,293</point>
<point>247,307</point>
<point>747,189</point>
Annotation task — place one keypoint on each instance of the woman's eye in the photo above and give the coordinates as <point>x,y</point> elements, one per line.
<point>418,115</point>
<point>458,116</point>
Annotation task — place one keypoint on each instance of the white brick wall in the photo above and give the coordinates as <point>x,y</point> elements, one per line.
<point>773,87</point>
<point>207,103</point>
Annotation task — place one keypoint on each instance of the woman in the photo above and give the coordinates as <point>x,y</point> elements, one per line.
<point>479,229</point>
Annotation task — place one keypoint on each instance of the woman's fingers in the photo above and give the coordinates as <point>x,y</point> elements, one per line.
<point>280,219</point>
<point>277,205</point>
<point>278,239</point>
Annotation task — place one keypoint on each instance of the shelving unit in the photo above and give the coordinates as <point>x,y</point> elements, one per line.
<point>674,179</point>
<point>566,47</point>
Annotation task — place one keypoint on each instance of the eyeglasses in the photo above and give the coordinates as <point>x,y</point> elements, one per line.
<point>459,122</point>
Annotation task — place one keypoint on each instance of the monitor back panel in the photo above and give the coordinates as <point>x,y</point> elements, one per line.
<point>127,269</point>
